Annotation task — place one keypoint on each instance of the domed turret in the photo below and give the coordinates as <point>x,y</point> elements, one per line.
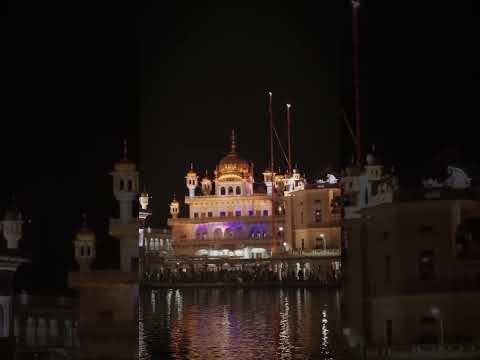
<point>268,180</point>
<point>84,245</point>
<point>206,184</point>
<point>192,181</point>
<point>125,185</point>
<point>174,207</point>
<point>143,200</point>
<point>12,226</point>
<point>374,168</point>
<point>371,160</point>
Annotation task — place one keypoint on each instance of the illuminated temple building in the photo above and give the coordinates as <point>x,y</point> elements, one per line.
<point>229,215</point>
<point>230,218</point>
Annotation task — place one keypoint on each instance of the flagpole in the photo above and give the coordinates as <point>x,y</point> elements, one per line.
<point>289,125</point>
<point>272,169</point>
<point>356,78</point>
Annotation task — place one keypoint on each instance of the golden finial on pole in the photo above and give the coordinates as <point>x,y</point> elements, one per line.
<point>233,145</point>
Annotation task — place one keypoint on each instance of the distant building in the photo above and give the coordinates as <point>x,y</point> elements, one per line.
<point>312,220</point>
<point>31,325</point>
<point>109,298</point>
<point>411,266</point>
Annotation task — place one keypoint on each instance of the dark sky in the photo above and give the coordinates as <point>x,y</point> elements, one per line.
<point>177,76</point>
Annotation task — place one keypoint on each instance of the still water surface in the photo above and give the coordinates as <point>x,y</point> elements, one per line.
<point>239,324</point>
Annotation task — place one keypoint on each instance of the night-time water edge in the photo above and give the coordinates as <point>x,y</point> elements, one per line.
<point>239,323</point>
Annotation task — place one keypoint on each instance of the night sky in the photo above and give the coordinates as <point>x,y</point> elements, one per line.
<point>177,77</point>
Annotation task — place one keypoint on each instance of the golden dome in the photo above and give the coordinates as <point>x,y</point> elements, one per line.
<point>233,164</point>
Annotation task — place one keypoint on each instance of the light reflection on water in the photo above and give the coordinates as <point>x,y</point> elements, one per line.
<point>238,324</point>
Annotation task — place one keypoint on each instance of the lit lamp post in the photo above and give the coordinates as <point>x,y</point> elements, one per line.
<point>322,236</point>
<point>435,311</point>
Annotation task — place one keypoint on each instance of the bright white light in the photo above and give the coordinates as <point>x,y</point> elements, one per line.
<point>285,244</point>
<point>322,235</point>
<point>289,105</point>
<point>280,228</point>
<point>269,93</point>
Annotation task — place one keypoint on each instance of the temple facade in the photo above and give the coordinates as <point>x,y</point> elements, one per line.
<point>229,214</point>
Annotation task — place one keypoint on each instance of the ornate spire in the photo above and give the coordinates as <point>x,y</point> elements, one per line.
<point>84,220</point>
<point>125,149</point>
<point>233,144</point>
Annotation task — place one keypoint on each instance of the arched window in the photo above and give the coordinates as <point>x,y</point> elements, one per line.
<point>82,251</point>
<point>122,185</point>
<point>228,233</point>
<point>201,234</point>
<point>88,250</point>
<point>222,191</point>
<point>217,234</point>
<point>238,233</point>
<point>230,190</point>
<point>238,191</point>
<point>129,185</point>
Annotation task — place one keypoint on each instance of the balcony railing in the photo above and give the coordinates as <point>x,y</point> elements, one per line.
<point>206,219</point>
<point>316,252</point>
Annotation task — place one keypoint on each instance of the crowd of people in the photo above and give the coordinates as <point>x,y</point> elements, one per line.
<point>241,275</point>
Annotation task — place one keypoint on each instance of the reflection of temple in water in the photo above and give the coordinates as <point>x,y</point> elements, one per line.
<point>108,298</point>
<point>238,323</point>
<point>31,325</point>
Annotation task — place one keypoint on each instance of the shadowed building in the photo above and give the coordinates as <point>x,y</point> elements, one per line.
<point>31,325</point>
<point>109,298</point>
<point>411,267</point>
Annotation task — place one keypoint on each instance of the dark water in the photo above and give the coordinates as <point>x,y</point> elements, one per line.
<point>239,324</point>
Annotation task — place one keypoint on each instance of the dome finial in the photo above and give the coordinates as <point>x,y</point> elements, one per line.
<point>233,145</point>
<point>125,148</point>
<point>84,220</point>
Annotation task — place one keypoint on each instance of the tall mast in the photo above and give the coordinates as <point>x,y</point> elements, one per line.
<point>270,118</point>
<point>356,78</point>
<point>272,169</point>
<point>289,125</point>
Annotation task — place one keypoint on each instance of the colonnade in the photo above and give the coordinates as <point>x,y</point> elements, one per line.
<point>43,331</point>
